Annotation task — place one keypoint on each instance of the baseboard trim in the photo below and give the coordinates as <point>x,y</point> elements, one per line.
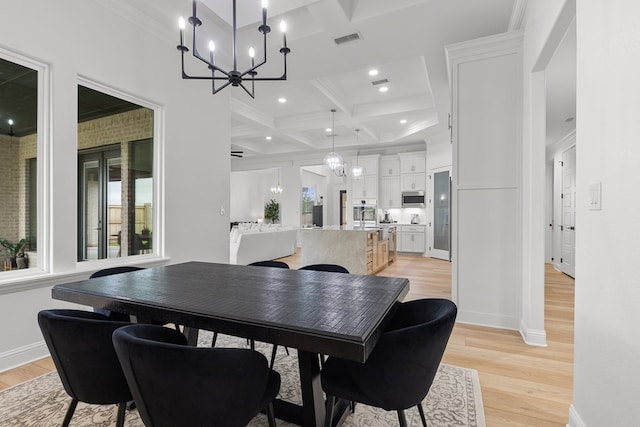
<point>574,418</point>
<point>22,355</point>
<point>534,337</point>
<point>490,320</point>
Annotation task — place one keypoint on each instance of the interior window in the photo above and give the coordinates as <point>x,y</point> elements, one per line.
<point>18,162</point>
<point>115,176</point>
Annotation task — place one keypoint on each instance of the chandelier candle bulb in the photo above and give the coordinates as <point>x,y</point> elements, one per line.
<point>252,54</point>
<point>283,28</point>
<point>181,25</point>
<point>212,48</point>
<point>264,11</point>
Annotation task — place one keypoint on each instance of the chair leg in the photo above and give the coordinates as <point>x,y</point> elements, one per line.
<point>271,417</point>
<point>331,403</point>
<point>69,414</point>
<point>121,410</point>
<point>273,356</point>
<point>402,418</point>
<point>213,340</point>
<point>422,417</point>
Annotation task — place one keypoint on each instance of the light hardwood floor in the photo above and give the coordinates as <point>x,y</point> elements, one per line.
<point>521,385</point>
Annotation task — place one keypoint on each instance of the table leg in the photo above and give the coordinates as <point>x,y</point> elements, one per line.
<point>312,411</point>
<point>312,395</point>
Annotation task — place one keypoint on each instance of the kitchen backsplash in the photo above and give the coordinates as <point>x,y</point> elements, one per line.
<point>403,216</point>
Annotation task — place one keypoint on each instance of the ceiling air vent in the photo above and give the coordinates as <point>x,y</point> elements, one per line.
<point>347,39</point>
<point>379,82</point>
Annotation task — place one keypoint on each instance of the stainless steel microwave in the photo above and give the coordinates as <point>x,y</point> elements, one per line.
<point>413,199</point>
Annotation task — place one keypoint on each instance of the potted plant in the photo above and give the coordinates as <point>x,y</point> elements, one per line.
<point>272,211</point>
<point>13,250</point>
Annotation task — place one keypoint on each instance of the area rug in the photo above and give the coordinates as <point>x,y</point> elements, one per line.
<point>454,400</point>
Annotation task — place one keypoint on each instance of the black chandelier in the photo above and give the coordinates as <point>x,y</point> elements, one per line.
<point>233,77</point>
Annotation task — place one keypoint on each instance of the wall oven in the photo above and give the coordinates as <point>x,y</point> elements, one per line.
<point>413,199</point>
<point>365,213</point>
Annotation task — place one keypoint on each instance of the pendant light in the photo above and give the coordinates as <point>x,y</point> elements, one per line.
<point>333,160</point>
<point>277,189</point>
<point>357,171</point>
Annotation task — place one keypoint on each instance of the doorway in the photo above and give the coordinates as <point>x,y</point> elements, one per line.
<point>568,226</point>
<point>343,207</point>
<point>441,204</point>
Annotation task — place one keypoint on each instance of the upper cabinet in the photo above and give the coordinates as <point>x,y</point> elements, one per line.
<point>367,186</point>
<point>413,167</point>
<point>390,166</point>
<point>413,163</point>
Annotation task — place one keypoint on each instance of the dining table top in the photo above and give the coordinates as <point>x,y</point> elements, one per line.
<point>335,314</point>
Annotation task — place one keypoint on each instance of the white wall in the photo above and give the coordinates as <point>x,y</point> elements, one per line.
<point>87,39</point>
<point>607,349</point>
<point>250,191</point>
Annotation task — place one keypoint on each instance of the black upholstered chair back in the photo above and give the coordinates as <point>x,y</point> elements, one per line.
<point>276,264</point>
<point>174,384</point>
<point>402,366</point>
<point>82,351</point>
<point>333,268</point>
<point>114,270</point>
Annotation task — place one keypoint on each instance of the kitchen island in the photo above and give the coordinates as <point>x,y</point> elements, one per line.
<point>359,250</point>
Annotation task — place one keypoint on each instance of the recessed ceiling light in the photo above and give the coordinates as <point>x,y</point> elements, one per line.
<point>403,121</point>
<point>328,130</point>
<point>282,100</point>
<point>384,89</point>
<point>373,72</point>
<point>268,138</point>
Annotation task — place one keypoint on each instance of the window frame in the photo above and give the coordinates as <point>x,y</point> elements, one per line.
<point>43,168</point>
<point>158,176</point>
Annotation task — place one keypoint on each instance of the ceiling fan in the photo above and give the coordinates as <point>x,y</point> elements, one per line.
<point>237,153</point>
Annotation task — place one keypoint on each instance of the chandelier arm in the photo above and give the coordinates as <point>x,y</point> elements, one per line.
<point>251,94</point>
<point>264,56</point>
<point>213,88</point>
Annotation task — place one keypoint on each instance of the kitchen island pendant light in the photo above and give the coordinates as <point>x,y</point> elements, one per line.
<point>234,77</point>
<point>333,160</point>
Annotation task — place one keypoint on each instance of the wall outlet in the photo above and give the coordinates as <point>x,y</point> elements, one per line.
<point>221,210</point>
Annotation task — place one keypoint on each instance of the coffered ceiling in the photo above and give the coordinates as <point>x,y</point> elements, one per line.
<point>403,40</point>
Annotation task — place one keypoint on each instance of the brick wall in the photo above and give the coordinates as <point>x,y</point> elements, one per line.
<point>15,153</point>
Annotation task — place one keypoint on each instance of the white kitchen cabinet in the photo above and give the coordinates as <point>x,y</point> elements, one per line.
<point>413,164</point>
<point>365,188</point>
<point>413,181</point>
<point>390,194</point>
<point>390,166</point>
<point>412,238</point>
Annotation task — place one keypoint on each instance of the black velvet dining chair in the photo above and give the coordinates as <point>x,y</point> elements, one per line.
<point>403,364</point>
<point>108,272</point>
<point>174,384</point>
<point>271,263</point>
<point>82,352</point>
<point>275,264</point>
<point>332,268</point>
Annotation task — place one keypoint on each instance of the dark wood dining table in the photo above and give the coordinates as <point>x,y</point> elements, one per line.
<point>335,314</point>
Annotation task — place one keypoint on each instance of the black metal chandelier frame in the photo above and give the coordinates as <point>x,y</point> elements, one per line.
<point>233,77</point>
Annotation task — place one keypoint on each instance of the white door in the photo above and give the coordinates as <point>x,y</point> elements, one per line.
<point>568,226</point>
<point>440,206</point>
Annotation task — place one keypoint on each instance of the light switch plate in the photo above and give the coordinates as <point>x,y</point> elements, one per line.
<point>595,197</point>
